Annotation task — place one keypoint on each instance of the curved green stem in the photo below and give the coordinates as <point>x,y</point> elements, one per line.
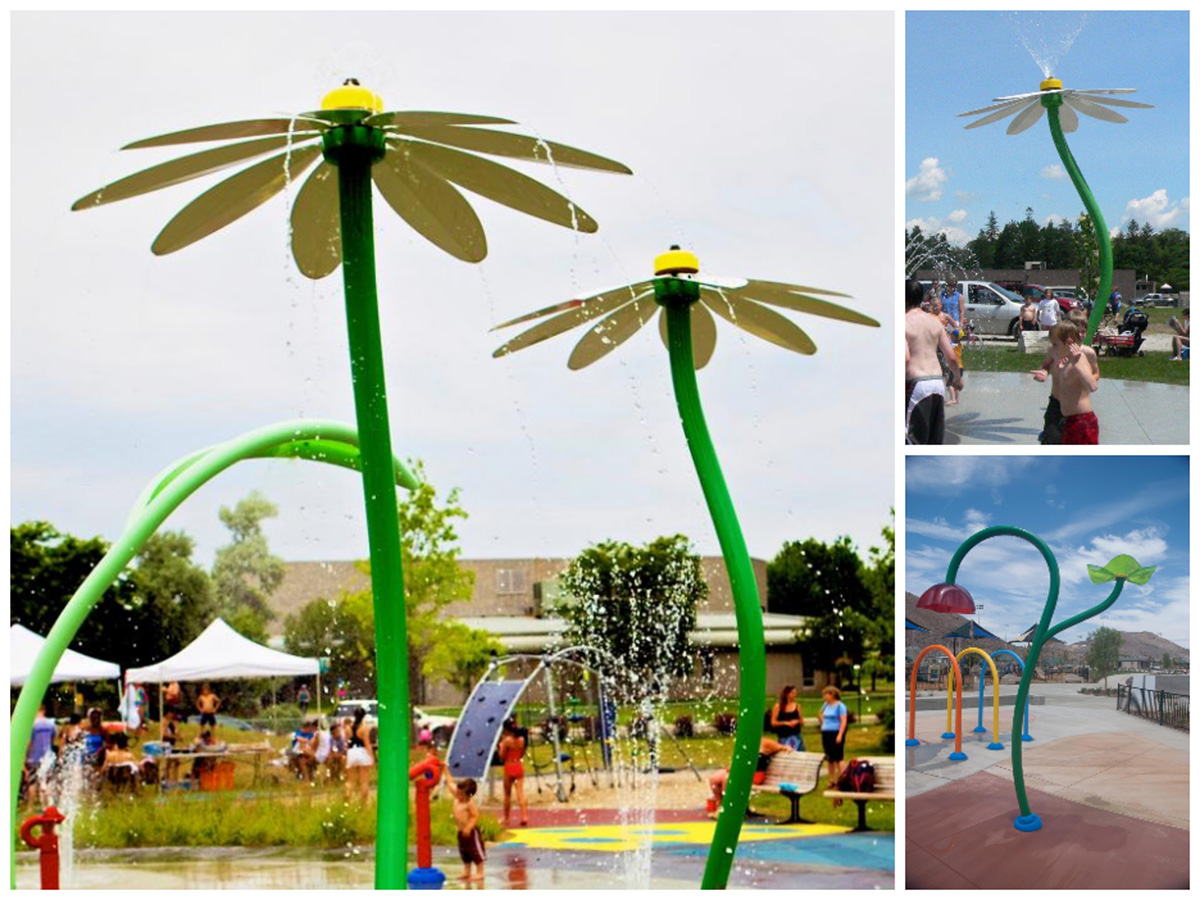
<point>1052,102</point>
<point>157,502</point>
<point>751,644</point>
<point>353,149</point>
<point>1044,633</point>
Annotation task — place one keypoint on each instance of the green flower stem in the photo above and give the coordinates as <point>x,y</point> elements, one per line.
<point>157,502</point>
<point>1052,102</point>
<point>1044,631</point>
<point>751,644</point>
<point>353,149</point>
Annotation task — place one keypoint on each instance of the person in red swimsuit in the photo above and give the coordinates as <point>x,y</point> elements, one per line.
<point>511,750</point>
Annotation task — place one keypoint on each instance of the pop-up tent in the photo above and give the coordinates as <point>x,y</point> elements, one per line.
<point>24,646</point>
<point>220,653</point>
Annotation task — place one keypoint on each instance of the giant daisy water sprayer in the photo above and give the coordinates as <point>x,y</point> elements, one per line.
<point>685,301</point>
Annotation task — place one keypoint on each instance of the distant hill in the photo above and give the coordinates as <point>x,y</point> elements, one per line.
<point>1143,645</point>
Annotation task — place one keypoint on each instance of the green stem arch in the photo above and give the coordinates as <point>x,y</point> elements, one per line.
<point>1027,820</point>
<point>353,149</point>
<point>751,643</point>
<point>320,441</point>
<point>1052,102</point>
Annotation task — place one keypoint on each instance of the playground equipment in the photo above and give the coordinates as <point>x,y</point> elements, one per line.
<point>46,842</point>
<point>952,597</point>
<point>414,160</point>
<point>1060,106</point>
<point>1025,735</point>
<point>495,698</point>
<point>690,334</point>
<point>954,684</point>
<point>979,729</point>
<point>319,441</point>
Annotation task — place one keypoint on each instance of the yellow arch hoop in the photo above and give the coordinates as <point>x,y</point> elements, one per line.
<point>996,745</point>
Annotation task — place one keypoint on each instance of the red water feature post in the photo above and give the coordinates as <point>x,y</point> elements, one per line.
<point>425,775</point>
<point>46,842</point>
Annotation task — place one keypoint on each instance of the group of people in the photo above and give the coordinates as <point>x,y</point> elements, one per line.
<point>933,369</point>
<point>786,719</point>
<point>347,749</point>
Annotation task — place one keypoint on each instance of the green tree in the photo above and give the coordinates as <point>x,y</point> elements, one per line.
<point>1104,652</point>
<point>173,595</point>
<point>461,655</point>
<point>1166,660</point>
<point>342,630</point>
<point>245,572</point>
<point>1087,257</point>
<point>637,605</point>
<point>824,583</point>
<point>879,575</point>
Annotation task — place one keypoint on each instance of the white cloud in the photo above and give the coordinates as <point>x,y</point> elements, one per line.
<point>927,183</point>
<point>964,196</point>
<point>957,217</point>
<point>1053,219</point>
<point>1158,210</point>
<point>933,225</point>
<point>1054,172</point>
<point>953,474</point>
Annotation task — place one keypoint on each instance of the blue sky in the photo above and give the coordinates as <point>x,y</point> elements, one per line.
<point>958,61</point>
<point>1087,509</point>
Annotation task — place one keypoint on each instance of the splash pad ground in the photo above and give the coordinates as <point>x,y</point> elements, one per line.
<point>564,847</point>
<point>1110,788</point>
<point>1007,408</point>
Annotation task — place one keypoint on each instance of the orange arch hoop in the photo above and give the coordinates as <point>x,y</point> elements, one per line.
<point>912,700</point>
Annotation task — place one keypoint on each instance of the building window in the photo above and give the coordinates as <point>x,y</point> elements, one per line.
<point>511,581</point>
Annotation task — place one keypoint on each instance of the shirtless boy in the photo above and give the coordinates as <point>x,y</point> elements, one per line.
<point>466,818</point>
<point>1075,375</point>
<point>924,389</point>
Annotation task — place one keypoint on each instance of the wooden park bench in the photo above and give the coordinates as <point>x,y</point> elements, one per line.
<point>885,788</point>
<point>793,775</point>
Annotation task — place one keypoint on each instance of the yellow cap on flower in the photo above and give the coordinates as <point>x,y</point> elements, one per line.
<point>1050,84</point>
<point>675,261</point>
<point>352,95</point>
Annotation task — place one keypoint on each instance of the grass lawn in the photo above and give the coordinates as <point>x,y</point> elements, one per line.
<point>1004,357</point>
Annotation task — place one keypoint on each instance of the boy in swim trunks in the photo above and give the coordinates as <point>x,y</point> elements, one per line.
<point>466,817</point>
<point>1052,420</point>
<point>1075,375</point>
<point>924,389</point>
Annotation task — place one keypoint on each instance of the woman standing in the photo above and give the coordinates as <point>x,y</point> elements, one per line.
<point>834,719</point>
<point>359,758</point>
<point>787,720</point>
<point>512,749</point>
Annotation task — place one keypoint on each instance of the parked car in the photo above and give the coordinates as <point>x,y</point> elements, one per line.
<point>1071,293</point>
<point>440,726</point>
<point>991,308</point>
<point>1147,300</point>
<point>1039,292</point>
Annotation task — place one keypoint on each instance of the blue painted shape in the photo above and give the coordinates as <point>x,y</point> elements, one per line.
<point>851,851</point>
<point>478,730</point>
<point>1027,737</point>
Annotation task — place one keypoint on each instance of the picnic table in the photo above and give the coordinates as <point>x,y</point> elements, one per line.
<point>233,753</point>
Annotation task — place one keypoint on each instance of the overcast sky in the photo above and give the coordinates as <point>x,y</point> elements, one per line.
<point>958,61</point>
<point>753,142</point>
<point>1087,509</point>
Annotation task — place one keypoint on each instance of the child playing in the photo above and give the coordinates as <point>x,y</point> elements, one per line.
<point>466,817</point>
<point>1075,374</point>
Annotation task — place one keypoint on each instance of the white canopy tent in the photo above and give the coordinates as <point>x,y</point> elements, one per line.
<point>220,653</point>
<point>25,645</point>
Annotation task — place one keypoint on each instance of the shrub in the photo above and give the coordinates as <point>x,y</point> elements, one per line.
<point>684,727</point>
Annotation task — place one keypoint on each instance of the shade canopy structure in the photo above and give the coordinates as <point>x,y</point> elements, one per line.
<point>910,625</point>
<point>972,630</point>
<point>221,653</point>
<point>24,646</point>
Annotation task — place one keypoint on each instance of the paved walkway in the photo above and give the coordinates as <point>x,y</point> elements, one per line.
<point>1007,408</point>
<point>1110,789</point>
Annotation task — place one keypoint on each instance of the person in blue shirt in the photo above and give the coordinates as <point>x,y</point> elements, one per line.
<point>834,719</point>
